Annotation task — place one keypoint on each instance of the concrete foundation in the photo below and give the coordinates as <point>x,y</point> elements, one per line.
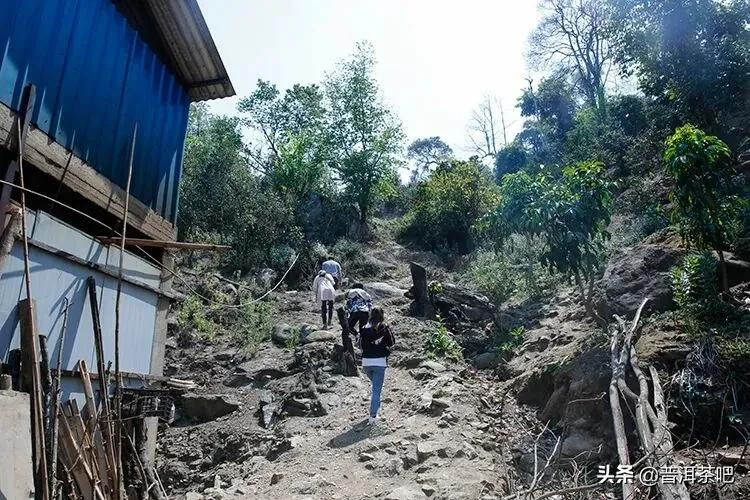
<point>16,478</point>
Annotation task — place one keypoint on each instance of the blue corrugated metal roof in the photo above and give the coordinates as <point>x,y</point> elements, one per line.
<point>95,78</point>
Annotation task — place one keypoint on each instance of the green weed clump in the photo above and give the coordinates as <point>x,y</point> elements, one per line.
<point>255,326</point>
<point>192,314</point>
<point>441,344</point>
<point>504,342</point>
<point>695,286</point>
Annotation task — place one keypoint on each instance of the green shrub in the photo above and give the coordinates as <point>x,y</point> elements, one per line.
<point>514,270</point>
<point>294,338</point>
<point>255,325</point>
<point>505,341</point>
<point>447,206</point>
<point>440,343</point>
<point>695,287</point>
<point>192,314</point>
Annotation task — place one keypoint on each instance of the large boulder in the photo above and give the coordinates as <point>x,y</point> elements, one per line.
<point>383,290</point>
<point>206,407</point>
<point>643,270</point>
<point>452,301</point>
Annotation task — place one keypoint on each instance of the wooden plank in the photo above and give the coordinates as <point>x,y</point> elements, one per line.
<point>128,375</point>
<point>89,393</point>
<point>85,443</point>
<point>51,158</point>
<point>143,242</point>
<point>77,463</point>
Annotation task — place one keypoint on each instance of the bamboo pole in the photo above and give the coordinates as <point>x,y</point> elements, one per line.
<point>144,242</point>
<point>118,382</point>
<point>40,461</point>
<point>55,422</point>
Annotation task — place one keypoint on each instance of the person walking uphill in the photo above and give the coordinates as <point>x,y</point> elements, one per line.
<point>324,295</point>
<point>377,343</point>
<point>334,269</point>
<point>358,305</point>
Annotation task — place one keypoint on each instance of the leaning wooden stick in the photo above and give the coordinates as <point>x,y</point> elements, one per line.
<point>55,423</point>
<point>36,396</point>
<point>118,384</point>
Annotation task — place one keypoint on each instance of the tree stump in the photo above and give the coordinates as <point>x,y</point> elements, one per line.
<point>419,293</point>
<point>343,355</point>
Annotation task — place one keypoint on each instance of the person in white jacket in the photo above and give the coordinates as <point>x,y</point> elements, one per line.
<point>323,288</point>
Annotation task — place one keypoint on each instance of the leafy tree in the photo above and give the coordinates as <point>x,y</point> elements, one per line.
<point>449,203</point>
<point>510,159</point>
<point>552,104</point>
<point>221,198</point>
<point>278,121</point>
<point>705,207</point>
<point>569,215</point>
<point>364,136</point>
<point>427,153</point>
<point>692,54</point>
<point>572,37</point>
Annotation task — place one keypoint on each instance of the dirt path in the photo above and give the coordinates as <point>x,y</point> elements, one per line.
<point>434,440</point>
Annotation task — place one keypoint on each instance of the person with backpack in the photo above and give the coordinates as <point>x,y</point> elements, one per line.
<point>324,295</point>
<point>377,343</point>
<point>358,305</point>
<point>334,269</point>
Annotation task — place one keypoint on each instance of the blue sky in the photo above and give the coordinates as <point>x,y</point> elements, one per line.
<point>436,59</point>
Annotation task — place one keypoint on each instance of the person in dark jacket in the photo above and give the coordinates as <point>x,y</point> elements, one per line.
<point>358,305</point>
<point>377,342</point>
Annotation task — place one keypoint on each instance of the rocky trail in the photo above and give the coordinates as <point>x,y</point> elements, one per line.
<point>283,422</point>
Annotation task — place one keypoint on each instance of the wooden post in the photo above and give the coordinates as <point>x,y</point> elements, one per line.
<point>106,422</point>
<point>55,406</point>
<point>423,306</point>
<point>31,372</point>
<point>30,331</point>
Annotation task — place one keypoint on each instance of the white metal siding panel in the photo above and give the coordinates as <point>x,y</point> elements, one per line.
<point>52,279</point>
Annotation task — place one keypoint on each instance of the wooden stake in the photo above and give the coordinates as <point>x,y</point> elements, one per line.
<point>118,382</point>
<point>55,407</point>
<point>105,423</point>
<point>144,242</point>
<point>40,459</point>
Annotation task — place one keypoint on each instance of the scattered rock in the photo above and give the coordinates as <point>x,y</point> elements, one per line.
<point>312,485</point>
<point>383,290</point>
<point>365,457</point>
<point>393,467</point>
<point>432,365</point>
<point>320,336</point>
<point>237,380</point>
<point>276,477</point>
<point>427,449</point>
<point>486,360</point>
<point>226,355</point>
<point>206,407</point>
<point>281,334</point>
<point>406,493</point>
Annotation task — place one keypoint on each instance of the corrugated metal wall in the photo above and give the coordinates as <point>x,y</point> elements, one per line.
<point>95,78</point>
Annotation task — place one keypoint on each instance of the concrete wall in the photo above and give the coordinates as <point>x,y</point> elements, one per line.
<point>16,478</point>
